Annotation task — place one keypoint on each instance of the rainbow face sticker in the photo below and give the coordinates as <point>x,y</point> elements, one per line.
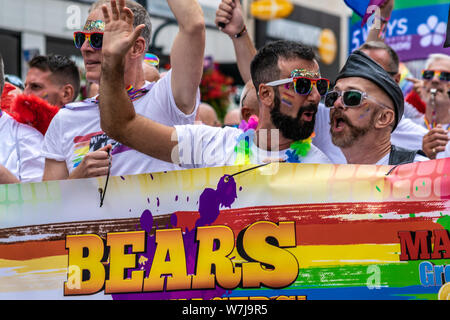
<point>94,25</point>
<point>287,99</point>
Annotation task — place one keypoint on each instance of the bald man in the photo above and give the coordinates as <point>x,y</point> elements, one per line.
<point>249,101</point>
<point>207,115</point>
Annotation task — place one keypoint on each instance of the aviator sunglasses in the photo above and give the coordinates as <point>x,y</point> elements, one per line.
<point>95,39</point>
<point>350,98</point>
<point>429,74</point>
<point>304,85</point>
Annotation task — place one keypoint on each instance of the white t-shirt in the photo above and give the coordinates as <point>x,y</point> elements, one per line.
<point>446,152</point>
<point>322,139</point>
<point>20,147</point>
<point>76,130</point>
<point>205,146</point>
<point>407,135</point>
<point>424,129</point>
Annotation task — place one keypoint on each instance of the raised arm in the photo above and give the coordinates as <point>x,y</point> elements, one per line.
<point>229,19</point>
<point>118,117</point>
<point>187,53</point>
<point>380,22</point>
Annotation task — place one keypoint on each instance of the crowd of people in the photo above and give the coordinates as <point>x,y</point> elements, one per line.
<point>137,120</point>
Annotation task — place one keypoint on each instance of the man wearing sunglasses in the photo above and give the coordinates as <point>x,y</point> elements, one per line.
<point>366,106</point>
<point>75,145</point>
<point>289,87</point>
<point>436,84</point>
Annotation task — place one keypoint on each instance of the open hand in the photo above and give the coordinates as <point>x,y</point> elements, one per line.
<point>119,35</point>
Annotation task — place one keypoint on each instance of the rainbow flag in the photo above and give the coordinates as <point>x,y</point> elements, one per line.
<point>278,232</point>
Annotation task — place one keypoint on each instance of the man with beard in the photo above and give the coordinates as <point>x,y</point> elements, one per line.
<point>289,88</point>
<point>367,105</point>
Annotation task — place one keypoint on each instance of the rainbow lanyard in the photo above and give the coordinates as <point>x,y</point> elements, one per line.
<point>132,93</point>
<point>243,152</point>
<point>433,125</point>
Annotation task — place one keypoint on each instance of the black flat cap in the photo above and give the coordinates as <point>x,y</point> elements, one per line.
<point>360,65</point>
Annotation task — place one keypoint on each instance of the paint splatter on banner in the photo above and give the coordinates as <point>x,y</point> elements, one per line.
<point>282,231</point>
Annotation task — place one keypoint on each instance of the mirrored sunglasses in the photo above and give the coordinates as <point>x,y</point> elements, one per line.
<point>95,39</point>
<point>304,85</point>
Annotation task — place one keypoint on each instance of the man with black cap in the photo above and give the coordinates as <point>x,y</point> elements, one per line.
<point>366,106</point>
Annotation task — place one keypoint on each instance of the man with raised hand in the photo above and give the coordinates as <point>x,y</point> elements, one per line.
<point>75,146</point>
<point>289,89</point>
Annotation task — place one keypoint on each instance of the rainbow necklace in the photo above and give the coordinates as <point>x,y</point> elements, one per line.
<point>433,124</point>
<point>132,93</point>
<point>296,150</point>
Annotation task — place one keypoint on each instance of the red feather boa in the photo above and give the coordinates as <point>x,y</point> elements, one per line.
<point>33,111</point>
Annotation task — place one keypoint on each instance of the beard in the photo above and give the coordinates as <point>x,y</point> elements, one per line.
<point>290,127</point>
<point>347,138</point>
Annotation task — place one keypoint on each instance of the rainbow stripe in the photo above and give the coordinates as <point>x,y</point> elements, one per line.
<point>347,223</point>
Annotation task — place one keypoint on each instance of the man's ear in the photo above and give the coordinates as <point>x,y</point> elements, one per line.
<point>138,49</point>
<point>246,113</point>
<point>68,94</point>
<point>266,95</point>
<point>385,118</point>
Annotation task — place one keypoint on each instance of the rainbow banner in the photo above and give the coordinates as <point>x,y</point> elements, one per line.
<point>280,231</point>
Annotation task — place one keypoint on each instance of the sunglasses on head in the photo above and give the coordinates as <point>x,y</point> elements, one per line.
<point>95,39</point>
<point>350,98</point>
<point>304,85</point>
<point>429,74</point>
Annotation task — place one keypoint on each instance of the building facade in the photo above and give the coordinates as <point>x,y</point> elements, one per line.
<point>30,27</point>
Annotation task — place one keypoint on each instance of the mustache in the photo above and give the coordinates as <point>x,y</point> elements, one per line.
<point>338,114</point>
<point>308,108</point>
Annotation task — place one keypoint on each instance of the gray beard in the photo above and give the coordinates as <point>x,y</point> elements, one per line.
<point>344,140</point>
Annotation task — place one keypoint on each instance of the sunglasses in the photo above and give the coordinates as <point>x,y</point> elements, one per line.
<point>304,85</point>
<point>95,39</point>
<point>350,98</point>
<point>429,74</point>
